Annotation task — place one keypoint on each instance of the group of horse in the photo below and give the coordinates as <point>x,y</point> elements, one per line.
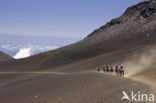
<point>118,70</point>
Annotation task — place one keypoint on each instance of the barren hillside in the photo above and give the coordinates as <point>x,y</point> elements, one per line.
<point>68,74</point>
<point>4,56</point>
<point>136,27</point>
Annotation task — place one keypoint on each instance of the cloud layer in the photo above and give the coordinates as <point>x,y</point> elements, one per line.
<point>26,52</point>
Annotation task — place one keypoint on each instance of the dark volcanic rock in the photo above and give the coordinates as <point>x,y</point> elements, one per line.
<point>137,12</point>
<point>144,9</point>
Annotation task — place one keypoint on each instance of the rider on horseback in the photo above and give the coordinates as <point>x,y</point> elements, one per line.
<point>111,69</point>
<point>121,71</point>
<point>107,69</point>
<point>98,68</point>
<point>104,68</point>
<point>117,69</point>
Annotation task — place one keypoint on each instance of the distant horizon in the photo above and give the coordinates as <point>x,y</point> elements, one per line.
<point>52,23</point>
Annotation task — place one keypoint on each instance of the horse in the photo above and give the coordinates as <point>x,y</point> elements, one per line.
<point>121,71</point>
<point>107,69</point>
<point>104,68</point>
<point>98,68</point>
<point>111,70</point>
<point>117,70</point>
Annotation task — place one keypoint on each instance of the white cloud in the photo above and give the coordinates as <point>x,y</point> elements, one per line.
<point>34,47</point>
<point>24,52</point>
<point>9,47</point>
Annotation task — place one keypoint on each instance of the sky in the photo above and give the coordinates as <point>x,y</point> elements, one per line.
<point>54,23</point>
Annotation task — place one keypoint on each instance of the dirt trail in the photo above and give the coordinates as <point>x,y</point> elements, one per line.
<point>87,87</point>
<point>32,73</point>
<point>147,77</point>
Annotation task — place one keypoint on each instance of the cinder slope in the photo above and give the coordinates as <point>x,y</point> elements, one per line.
<point>69,88</point>
<point>70,75</point>
<point>4,57</point>
<point>136,27</point>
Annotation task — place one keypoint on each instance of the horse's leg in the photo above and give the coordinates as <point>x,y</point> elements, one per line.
<point>120,73</point>
<point>116,73</point>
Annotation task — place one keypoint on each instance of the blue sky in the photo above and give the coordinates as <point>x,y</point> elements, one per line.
<point>58,18</point>
<point>64,21</point>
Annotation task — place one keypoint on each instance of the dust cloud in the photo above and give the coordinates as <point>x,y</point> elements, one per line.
<point>140,62</point>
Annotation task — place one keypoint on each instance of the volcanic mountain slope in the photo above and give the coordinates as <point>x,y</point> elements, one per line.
<point>136,27</point>
<point>68,75</point>
<point>4,56</point>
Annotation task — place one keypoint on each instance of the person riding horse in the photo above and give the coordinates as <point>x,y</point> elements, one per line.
<point>121,71</point>
<point>111,69</point>
<point>117,69</point>
<point>98,68</point>
<point>107,69</point>
<point>104,68</point>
